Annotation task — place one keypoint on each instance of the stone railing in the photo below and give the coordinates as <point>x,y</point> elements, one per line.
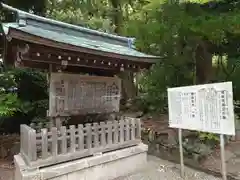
<point>51,146</point>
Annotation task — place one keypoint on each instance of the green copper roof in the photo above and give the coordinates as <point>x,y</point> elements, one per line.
<point>73,35</point>
<point>76,41</point>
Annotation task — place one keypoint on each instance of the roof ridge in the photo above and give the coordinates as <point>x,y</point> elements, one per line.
<point>26,15</point>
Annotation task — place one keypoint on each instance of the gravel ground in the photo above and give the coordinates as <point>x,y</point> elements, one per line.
<point>159,169</point>
<point>6,174</point>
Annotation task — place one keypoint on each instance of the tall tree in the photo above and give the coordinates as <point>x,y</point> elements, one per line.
<point>189,37</point>
<point>117,15</point>
<point>37,7</point>
<point>88,13</point>
<point>121,10</point>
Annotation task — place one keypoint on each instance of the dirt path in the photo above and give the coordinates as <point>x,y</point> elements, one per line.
<point>232,156</point>
<point>6,174</point>
<point>158,169</point>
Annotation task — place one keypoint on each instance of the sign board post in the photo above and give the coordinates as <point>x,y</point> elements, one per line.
<point>223,164</point>
<point>206,108</point>
<point>181,152</point>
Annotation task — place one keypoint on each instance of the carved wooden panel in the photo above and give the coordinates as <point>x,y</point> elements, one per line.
<point>72,94</point>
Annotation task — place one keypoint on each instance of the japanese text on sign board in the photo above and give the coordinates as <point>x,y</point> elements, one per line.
<point>207,108</point>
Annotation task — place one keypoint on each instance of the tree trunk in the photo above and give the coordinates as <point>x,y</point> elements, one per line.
<point>128,87</point>
<point>204,69</point>
<point>117,15</point>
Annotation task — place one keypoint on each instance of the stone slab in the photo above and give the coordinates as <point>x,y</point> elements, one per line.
<point>106,166</point>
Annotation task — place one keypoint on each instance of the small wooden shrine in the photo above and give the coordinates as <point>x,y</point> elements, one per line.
<point>38,42</point>
<point>63,50</point>
<point>82,66</point>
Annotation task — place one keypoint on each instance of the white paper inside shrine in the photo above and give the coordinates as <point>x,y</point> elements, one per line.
<point>207,108</point>
<point>72,94</point>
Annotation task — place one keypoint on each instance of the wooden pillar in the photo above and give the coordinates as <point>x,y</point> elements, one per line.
<point>54,121</point>
<point>58,122</point>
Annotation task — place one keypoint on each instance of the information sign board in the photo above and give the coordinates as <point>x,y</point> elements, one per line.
<point>207,108</point>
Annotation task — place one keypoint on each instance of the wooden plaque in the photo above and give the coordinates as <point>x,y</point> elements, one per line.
<point>72,94</point>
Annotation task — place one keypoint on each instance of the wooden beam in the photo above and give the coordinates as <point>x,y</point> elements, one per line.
<point>49,55</point>
<point>72,69</point>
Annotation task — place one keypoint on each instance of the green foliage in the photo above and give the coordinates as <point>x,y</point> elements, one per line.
<point>174,32</point>
<point>9,104</point>
<point>36,7</point>
<point>208,136</point>
<point>94,14</point>
<point>23,91</point>
<point>100,14</point>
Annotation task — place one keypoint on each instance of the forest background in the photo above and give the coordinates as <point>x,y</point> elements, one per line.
<point>197,41</point>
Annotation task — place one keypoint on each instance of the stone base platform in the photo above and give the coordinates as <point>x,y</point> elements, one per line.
<point>106,166</point>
